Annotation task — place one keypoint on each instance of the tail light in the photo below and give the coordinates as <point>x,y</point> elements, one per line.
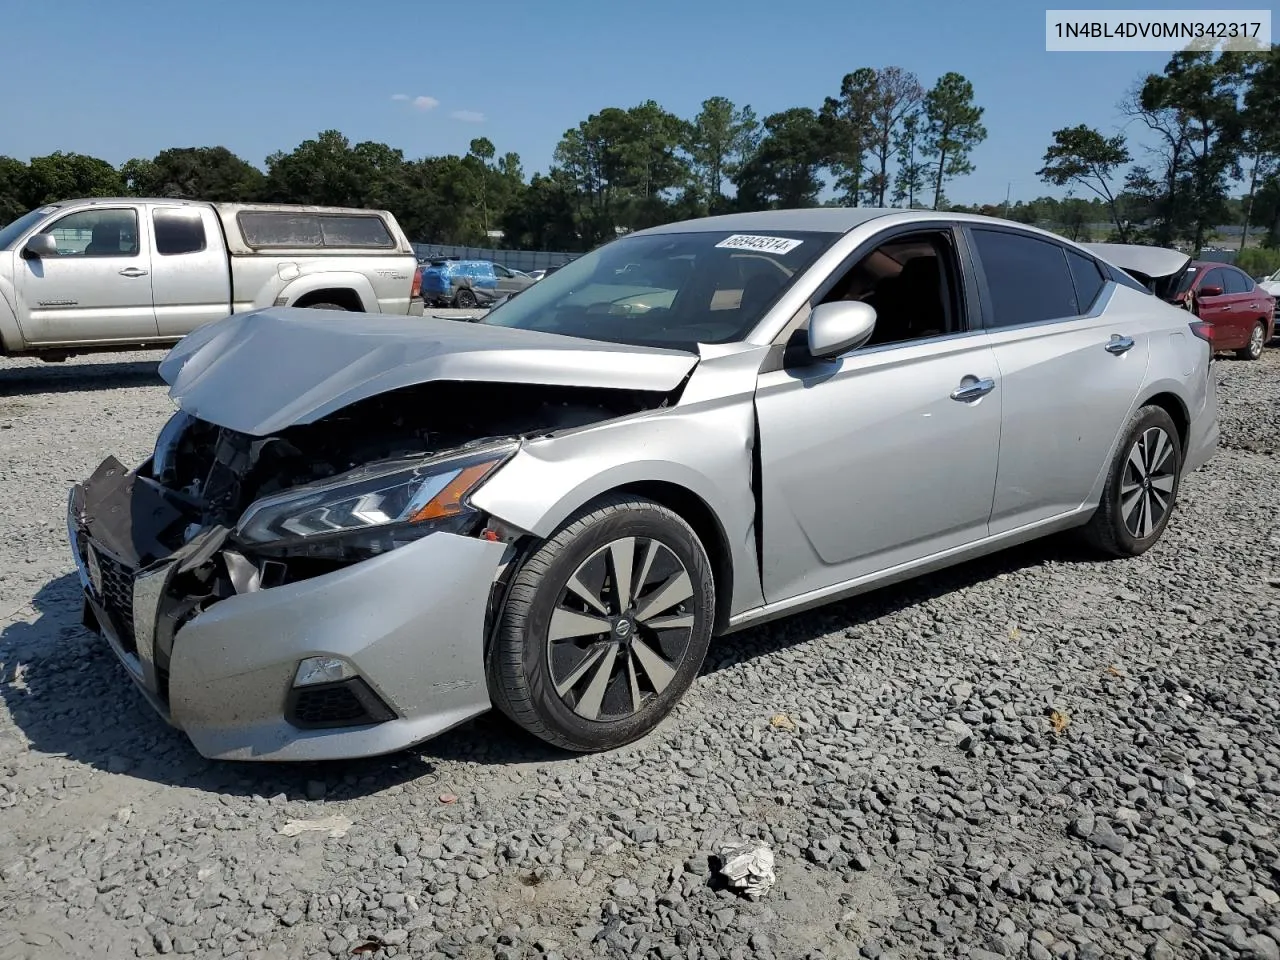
<point>1203,330</point>
<point>415,291</point>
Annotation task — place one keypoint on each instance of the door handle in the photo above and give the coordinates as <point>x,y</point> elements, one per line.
<point>132,272</point>
<point>1119,344</point>
<point>971,388</point>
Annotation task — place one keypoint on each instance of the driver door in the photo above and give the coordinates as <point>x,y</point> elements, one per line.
<point>887,455</point>
<point>97,289</point>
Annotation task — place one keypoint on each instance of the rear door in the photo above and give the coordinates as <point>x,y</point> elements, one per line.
<point>1249,304</point>
<point>97,289</point>
<point>1070,371</point>
<point>190,278</point>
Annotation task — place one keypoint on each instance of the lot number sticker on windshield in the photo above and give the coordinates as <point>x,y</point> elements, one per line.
<point>745,241</point>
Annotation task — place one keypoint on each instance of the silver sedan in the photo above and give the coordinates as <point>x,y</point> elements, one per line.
<point>353,536</point>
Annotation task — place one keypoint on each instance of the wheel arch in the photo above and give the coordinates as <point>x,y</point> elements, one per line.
<point>1172,404</point>
<point>706,526</point>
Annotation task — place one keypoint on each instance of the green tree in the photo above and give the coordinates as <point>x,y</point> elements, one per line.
<point>953,127</point>
<point>66,176</point>
<point>1261,139</point>
<point>194,173</point>
<point>1204,91</point>
<point>847,129</point>
<point>909,181</point>
<point>896,95</point>
<point>13,189</point>
<point>786,169</point>
<point>1084,156</point>
<point>718,141</point>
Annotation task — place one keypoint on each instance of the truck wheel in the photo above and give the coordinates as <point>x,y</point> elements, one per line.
<point>326,306</point>
<point>465,300</point>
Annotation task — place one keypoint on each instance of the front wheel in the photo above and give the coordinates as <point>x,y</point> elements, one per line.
<point>1141,488</point>
<point>606,626</point>
<point>1257,340</point>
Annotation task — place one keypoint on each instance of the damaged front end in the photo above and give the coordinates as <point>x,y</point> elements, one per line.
<point>215,513</point>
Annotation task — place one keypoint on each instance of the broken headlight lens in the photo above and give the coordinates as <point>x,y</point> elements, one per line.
<point>393,505</point>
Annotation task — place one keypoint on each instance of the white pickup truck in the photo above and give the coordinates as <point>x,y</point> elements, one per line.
<point>108,274</point>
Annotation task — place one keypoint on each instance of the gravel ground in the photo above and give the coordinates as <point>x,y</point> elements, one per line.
<point>1036,755</point>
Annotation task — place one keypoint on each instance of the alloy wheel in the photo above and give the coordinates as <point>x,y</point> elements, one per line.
<point>1146,487</point>
<point>620,629</point>
<point>1256,340</point>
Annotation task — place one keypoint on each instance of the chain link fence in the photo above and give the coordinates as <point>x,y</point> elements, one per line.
<point>511,259</point>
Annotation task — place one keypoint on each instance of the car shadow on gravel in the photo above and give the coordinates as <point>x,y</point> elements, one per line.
<point>67,693</point>
<point>77,378</point>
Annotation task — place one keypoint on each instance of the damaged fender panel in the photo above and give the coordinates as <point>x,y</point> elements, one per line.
<point>261,372</point>
<point>411,622</point>
<point>551,478</point>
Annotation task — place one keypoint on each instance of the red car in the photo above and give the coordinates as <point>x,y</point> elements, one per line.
<point>1241,314</point>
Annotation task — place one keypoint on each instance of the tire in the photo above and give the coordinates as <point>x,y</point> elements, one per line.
<point>465,300</point>
<point>1257,340</point>
<point>580,692</point>
<point>327,306</point>
<point>1119,527</point>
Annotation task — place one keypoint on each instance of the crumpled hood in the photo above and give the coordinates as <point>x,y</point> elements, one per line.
<point>263,371</point>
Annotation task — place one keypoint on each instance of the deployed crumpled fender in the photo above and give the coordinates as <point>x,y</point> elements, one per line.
<point>261,372</point>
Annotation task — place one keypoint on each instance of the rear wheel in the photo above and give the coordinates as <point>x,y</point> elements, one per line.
<point>327,306</point>
<point>1257,340</point>
<point>465,300</point>
<point>1141,488</point>
<point>606,626</point>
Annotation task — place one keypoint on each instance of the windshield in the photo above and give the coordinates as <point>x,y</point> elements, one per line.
<point>20,226</point>
<point>666,290</point>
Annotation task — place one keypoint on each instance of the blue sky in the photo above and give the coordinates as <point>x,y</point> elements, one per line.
<point>122,79</point>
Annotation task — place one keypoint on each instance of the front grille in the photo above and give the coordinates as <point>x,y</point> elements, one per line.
<point>117,598</point>
<point>346,703</point>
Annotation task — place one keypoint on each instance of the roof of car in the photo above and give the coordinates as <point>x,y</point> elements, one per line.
<point>812,220</point>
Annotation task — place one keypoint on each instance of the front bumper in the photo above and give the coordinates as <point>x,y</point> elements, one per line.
<point>410,622</point>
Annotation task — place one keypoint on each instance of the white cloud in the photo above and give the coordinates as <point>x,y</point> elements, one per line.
<point>468,116</point>
<point>418,103</point>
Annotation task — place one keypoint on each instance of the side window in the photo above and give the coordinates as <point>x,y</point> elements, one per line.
<point>1237,282</point>
<point>1214,278</point>
<point>501,271</point>
<point>912,282</point>
<point>178,230</point>
<point>96,233</point>
<point>1087,278</point>
<point>1028,278</point>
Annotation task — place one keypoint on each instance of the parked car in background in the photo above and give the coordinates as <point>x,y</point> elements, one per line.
<point>106,274</point>
<point>470,283</point>
<point>1241,313</point>
<point>1271,284</point>
<point>554,508</point>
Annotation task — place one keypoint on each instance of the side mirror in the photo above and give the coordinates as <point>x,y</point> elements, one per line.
<point>1210,291</point>
<point>41,245</point>
<point>838,327</point>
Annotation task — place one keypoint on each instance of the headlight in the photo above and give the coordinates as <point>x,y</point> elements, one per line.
<point>382,506</point>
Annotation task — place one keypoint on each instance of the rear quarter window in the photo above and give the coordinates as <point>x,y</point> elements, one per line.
<point>270,228</point>
<point>1087,277</point>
